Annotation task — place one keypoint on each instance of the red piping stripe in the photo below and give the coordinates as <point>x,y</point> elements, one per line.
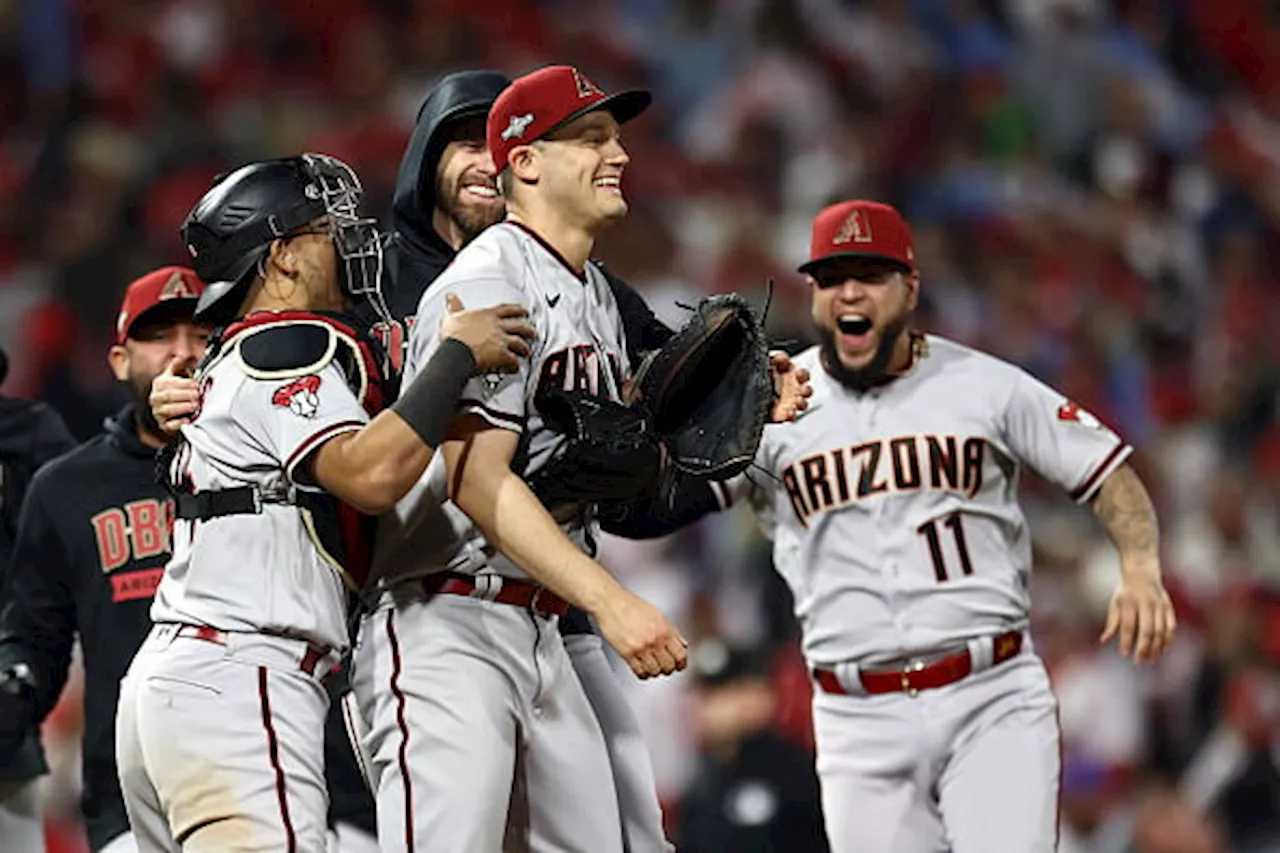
<point>273,750</point>
<point>403,756</point>
<point>312,442</point>
<point>1084,488</point>
<point>482,409</point>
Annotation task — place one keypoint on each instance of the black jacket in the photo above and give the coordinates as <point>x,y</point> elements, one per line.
<point>31,434</point>
<point>93,540</point>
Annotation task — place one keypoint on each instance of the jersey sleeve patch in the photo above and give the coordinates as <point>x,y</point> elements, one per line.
<point>286,350</point>
<point>1072,413</point>
<point>300,396</point>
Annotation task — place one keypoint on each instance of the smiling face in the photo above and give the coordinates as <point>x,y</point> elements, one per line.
<point>861,308</point>
<point>580,170</point>
<point>467,200</point>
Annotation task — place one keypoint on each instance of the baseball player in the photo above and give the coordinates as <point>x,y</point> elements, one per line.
<point>251,611</point>
<point>446,194</point>
<point>485,719</point>
<point>91,547</point>
<point>893,508</point>
<point>31,434</point>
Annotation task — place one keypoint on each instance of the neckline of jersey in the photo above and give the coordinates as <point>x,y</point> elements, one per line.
<point>579,275</point>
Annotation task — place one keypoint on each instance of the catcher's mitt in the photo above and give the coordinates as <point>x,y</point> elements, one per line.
<point>609,453</point>
<point>710,390</point>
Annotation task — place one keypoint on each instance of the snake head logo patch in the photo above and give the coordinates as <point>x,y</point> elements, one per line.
<point>299,396</point>
<point>1072,412</point>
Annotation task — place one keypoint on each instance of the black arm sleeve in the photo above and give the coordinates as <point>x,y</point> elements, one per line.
<point>677,501</point>
<point>39,623</point>
<point>643,329</point>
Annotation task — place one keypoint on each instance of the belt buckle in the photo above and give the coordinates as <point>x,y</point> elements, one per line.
<point>915,666</point>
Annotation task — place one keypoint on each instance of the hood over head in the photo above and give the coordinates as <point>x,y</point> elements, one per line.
<point>461,94</point>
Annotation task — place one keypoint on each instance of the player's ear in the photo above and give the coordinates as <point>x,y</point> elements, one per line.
<point>524,163</point>
<point>912,281</point>
<point>282,259</point>
<point>118,359</point>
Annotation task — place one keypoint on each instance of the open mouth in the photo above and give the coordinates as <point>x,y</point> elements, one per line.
<point>856,325</point>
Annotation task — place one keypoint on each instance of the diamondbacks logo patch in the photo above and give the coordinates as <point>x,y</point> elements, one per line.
<point>855,228</point>
<point>177,288</point>
<point>1072,412</point>
<point>586,89</point>
<point>299,396</point>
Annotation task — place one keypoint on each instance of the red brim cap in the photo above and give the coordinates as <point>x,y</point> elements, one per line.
<point>860,229</point>
<point>166,285</point>
<point>546,100</point>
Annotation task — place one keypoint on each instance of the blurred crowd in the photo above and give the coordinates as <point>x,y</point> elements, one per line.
<point>1095,191</point>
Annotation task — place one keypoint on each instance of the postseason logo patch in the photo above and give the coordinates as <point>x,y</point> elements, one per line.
<point>1074,414</point>
<point>299,396</point>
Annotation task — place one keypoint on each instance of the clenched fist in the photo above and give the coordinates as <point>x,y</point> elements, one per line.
<point>175,396</point>
<point>644,638</point>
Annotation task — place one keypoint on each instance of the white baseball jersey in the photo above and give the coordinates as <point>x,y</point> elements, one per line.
<point>266,571</point>
<point>894,513</point>
<point>580,345</point>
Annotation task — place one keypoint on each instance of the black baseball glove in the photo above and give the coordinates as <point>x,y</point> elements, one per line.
<point>709,389</point>
<point>609,453</point>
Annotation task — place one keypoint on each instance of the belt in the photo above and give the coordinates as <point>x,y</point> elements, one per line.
<point>922,676</point>
<point>519,593</point>
<point>310,660</point>
<point>215,503</point>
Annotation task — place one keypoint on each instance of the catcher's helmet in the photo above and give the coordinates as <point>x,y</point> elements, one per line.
<point>231,228</point>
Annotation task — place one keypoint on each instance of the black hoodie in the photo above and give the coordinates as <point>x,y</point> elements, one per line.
<point>93,540</point>
<point>416,254</point>
<point>31,434</point>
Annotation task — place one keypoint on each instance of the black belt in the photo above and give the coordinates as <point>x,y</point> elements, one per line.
<point>215,503</point>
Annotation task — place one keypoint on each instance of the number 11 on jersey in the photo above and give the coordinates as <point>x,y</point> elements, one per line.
<point>929,530</point>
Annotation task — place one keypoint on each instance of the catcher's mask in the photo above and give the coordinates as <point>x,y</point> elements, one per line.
<point>230,230</point>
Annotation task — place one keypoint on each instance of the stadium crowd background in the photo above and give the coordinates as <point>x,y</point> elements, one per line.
<point>1095,190</point>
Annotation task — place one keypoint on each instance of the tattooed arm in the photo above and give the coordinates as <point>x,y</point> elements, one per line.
<point>1140,613</point>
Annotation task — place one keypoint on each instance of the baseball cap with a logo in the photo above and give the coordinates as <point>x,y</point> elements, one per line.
<point>546,100</point>
<point>860,229</point>
<point>176,285</point>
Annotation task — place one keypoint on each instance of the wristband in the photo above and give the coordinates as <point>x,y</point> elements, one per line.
<point>431,400</point>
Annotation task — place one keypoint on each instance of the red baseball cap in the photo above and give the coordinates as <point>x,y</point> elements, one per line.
<point>160,286</point>
<point>860,229</point>
<point>547,99</point>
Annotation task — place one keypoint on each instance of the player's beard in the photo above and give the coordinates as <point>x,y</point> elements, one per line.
<point>140,392</point>
<point>471,218</point>
<point>876,372</point>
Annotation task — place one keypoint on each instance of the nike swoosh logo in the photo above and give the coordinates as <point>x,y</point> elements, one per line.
<point>553,301</point>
